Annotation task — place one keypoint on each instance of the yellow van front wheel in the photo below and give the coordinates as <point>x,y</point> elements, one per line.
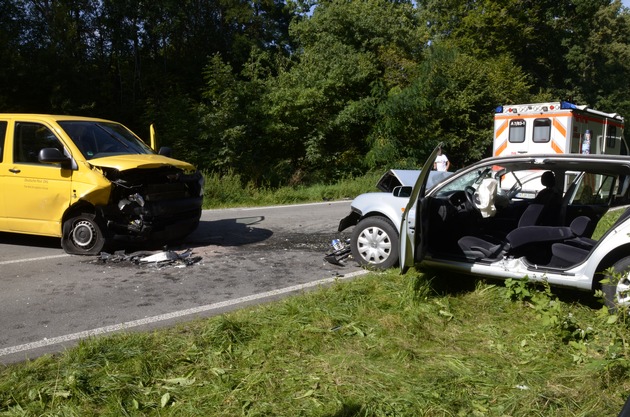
<point>82,235</point>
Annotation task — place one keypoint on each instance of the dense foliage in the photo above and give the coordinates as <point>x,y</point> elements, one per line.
<point>292,92</point>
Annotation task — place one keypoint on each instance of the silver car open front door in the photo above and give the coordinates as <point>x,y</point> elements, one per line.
<point>412,241</point>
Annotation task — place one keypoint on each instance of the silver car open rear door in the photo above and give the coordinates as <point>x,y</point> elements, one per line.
<point>412,240</point>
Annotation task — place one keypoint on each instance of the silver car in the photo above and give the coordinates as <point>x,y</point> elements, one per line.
<point>513,217</point>
<point>376,217</point>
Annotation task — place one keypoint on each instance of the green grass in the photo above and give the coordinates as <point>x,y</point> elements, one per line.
<point>381,345</point>
<point>223,191</point>
<point>607,221</point>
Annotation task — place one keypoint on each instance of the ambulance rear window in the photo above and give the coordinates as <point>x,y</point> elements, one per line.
<point>542,130</point>
<point>611,136</point>
<point>517,131</point>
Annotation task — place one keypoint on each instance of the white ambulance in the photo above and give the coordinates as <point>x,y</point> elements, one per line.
<point>556,128</point>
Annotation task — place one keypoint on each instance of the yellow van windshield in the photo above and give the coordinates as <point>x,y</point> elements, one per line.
<point>101,139</point>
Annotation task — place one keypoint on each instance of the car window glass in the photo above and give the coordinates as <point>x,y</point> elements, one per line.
<point>516,133</point>
<point>3,133</point>
<point>622,187</point>
<point>468,179</point>
<point>542,130</point>
<point>29,139</point>
<point>611,136</point>
<point>96,140</point>
<point>528,182</point>
<point>594,189</point>
<point>606,188</point>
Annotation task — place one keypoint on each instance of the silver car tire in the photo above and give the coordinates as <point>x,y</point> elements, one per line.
<point>374,243</point>
<point>621,284</point>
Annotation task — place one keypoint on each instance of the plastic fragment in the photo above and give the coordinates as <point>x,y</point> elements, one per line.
<point>161,258</point>
<point>340,252</point>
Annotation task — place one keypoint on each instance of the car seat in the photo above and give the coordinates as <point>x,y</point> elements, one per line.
<point>576,249</point>
<point>522,240</point>
<point>551,199</point>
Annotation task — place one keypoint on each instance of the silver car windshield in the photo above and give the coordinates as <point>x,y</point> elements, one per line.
<point>468,179</point>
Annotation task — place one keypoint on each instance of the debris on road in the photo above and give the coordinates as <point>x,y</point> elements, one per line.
<point>340,253</point>
<point>159,258</point>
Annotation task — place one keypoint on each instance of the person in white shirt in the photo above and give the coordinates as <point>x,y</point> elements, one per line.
<point>441,162</point>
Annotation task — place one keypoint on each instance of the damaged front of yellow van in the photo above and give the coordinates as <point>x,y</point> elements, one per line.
<point>91,181</point>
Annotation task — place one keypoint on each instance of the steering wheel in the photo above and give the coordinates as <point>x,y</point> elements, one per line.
<point>470,196</point>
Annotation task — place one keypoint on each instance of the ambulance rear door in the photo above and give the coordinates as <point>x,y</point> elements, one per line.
<point>510,135</point>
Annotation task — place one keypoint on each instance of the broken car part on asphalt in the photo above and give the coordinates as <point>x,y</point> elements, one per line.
<point>341,252</point>
<point>159,258</point>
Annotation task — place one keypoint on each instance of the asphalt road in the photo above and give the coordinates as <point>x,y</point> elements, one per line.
<point>50,300</point>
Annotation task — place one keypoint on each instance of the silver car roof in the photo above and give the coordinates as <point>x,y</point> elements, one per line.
<point>617,164</point>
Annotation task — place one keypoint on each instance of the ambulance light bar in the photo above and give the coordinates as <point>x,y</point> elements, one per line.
<point>567,105</point>
<point>536,108</point>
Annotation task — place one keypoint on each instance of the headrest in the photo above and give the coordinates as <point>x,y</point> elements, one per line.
<point>548,179</point>
<point>579,225</point>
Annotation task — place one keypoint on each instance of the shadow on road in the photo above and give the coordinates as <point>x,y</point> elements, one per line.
<point>229,232</point>
<point>17,239</point>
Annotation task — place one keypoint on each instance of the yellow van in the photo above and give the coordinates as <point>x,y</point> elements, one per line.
<point>91,181</point>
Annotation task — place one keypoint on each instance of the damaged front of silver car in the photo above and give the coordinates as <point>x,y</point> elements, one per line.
<point>376,217</point>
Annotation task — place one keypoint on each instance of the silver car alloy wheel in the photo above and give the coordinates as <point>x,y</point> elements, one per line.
<point>374,245</point>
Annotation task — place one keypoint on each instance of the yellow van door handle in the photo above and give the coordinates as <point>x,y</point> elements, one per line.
<point>14,170</point>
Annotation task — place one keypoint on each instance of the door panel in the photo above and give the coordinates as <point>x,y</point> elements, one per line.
<point>3,150</point>
<point>35,194</point>
<point>413,239</point>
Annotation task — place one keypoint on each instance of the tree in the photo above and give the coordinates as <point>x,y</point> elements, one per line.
<point>526,30</point>
<point>12,33</point>
<point>451,101</point>
<point>230,128</point>
<point>306,91</point>
<point>189,43</point>
<point>570,49</point>
<point>322,106</point>
<point>598,56</point>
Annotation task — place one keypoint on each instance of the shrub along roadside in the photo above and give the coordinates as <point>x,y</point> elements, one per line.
<point>382,345</point>
<point>223,191</point>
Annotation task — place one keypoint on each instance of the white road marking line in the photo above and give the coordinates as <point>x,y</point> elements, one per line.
<point>42,258</point>
<point>323,203</point>
<point>169,316</point>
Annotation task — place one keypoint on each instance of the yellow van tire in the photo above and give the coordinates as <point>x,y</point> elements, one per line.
<point>83,235</point>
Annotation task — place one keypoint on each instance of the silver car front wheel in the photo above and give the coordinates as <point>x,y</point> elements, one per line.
<point>619,286</point>
<point>374,242</point>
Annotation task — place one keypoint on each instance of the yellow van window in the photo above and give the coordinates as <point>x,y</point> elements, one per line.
<point>29,139</point>
<point>3,134</point>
